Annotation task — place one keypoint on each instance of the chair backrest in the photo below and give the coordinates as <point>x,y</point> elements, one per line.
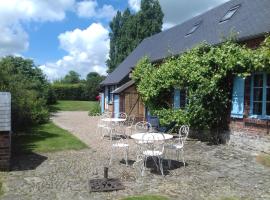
<point>183,133</point>
<point>153,141</point>
<point>122,115</point>
<point>130,120</point>
<point>143,126</point>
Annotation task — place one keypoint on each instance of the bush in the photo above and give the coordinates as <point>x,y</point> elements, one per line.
<point>29,91</point>
<point>64,91</point>
<point>95,109</point>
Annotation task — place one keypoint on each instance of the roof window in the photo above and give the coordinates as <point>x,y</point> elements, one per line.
<point>194,28</point>
<point>230,13</point>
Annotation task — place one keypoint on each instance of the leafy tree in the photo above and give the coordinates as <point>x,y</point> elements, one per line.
<point>128,30</point>
<point>29,89</point>
<point>93,79</point>
<point>72,77</point>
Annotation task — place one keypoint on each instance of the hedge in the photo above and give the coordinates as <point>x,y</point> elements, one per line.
<point>65,91</point>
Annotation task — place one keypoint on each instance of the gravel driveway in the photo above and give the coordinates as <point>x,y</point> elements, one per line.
<point>212,172</point>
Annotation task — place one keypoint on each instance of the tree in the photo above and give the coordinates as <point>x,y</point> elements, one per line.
<point>72,77</point>
<point>29,89</point>
<point>92,86</point>
<point>128,30</point>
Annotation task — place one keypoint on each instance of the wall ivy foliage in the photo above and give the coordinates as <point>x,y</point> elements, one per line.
<point>206,72</point>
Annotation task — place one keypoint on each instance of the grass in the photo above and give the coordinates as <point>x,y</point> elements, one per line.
<point>64,105</point>
<point>1,188</point>
<point>263,159</point>
<point>146,197</point>
<point>46,138</point>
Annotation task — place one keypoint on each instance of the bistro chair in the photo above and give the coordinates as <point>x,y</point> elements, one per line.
<point>152,148</point>
<point>129,125</point>
<point>178,144</point>
<point>118,145</point>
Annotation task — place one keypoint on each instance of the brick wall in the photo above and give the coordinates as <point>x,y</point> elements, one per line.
<point>4,150</point>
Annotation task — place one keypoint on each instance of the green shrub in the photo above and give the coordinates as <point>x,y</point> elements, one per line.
<point>29,91</point>
<point>65,91</point>
<point>95,109</point>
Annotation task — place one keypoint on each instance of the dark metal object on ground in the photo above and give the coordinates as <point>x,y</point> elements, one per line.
<point>105,184</point>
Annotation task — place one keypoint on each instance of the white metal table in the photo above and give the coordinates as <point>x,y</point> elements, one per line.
<point>151,136</point>
<point>113,120</point>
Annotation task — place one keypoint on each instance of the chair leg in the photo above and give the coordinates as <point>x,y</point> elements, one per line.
<point>126,156</point>
<point>183,158</point>
<point>161,165</point>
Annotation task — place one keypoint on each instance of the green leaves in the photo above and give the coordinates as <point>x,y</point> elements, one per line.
<point>207,72</point>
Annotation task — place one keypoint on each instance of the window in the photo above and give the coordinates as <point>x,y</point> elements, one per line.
<point>194,28</point>
<point>230,13</point>
<point>260,95</point>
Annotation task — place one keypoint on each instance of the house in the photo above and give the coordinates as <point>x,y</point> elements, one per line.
<point>249,19</point>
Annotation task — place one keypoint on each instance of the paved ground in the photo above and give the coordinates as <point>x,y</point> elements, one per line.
<point>213,172</point>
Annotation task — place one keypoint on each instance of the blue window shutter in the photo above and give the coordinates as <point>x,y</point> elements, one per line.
<point>238,97</point>
<point>116,105</point>
<point>176,99</point>
<point>102,98</point>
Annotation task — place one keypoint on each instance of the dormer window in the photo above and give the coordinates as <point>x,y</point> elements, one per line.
<point>230,13</point>
<point>194,28</point>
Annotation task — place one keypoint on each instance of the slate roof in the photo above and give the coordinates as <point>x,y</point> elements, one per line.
<point>123,87</point>
<point>251,20</point>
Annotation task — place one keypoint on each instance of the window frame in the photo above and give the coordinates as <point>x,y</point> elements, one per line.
<point>264,97</point>
<point>194,28</point>
<point>232,10</point>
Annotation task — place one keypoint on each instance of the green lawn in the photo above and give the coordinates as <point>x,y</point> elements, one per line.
<point>74,105</point>
<point>146,197</point>
<point>1,189</point>
<point>46,138</point>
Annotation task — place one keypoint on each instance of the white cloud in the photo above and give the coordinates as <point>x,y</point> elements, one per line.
<point>87,51</point>
<point>13,38</point>
<point>167,25</point>
<point>135,5</point>
<point>89,8</point>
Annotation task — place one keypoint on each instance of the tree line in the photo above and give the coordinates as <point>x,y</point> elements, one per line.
<point>72,87</point>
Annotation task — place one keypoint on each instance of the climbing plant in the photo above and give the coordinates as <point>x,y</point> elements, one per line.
<point>206,73</point>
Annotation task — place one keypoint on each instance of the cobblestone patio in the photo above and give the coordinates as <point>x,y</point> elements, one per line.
<point>212,172</point>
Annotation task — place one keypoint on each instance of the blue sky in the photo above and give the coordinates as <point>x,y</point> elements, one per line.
<point>64,35</point>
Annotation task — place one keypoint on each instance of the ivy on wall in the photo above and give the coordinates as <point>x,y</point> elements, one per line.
<point>206,72</point>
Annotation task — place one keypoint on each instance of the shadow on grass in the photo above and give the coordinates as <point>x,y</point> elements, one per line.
<point>23,146</point>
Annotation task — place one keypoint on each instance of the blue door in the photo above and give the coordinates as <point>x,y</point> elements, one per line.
<point>116,105</point>
<point>238,97</point>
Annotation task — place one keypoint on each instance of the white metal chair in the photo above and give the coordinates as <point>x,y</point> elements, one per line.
<point>121,145</point>
<point>178,144</point>
<point>141,127</point>
<point>152,147</point>
<point>103,126</point>
<point>129,123</point>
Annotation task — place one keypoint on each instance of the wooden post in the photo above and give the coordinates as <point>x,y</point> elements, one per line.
<point>106,172</point>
